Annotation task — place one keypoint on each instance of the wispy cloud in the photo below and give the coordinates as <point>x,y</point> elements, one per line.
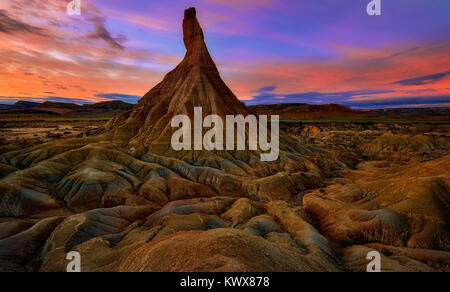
<point>268,96</point>
<point>423,80</point>
<point>76,58</point>
<point>404,101</point>
<point>103,34</point>
<point>371,98</point>
<point>10,25</point>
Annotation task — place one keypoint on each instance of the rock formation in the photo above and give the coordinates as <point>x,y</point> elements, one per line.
<point>127,202</point>
<point>195,82</point>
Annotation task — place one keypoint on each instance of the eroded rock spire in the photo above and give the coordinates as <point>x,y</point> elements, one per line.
<point>196,50</point>
<point>192,32</point>
<point>195,82</point>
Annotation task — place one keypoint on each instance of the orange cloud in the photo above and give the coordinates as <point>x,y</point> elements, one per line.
<point>355,69</point>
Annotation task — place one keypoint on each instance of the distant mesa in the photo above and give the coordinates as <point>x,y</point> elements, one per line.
<point>57,105</point>
<point>290,108</point>
<point>19,105</point>
<point>72,110</point>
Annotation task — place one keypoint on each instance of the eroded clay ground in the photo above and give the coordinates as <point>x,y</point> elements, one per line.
<point>383,187</point>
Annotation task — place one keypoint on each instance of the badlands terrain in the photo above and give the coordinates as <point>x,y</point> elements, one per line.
<point>121,197</point>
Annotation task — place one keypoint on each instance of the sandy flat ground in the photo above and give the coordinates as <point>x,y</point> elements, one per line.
<point>37,130</point>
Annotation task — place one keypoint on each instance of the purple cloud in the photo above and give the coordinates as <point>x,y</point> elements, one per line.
<point>10,25</point>
<point>423,80</point>
<point>267,96</point>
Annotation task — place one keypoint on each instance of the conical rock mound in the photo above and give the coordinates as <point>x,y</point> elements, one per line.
<point>146,130</point>
<point>195,82</point>
<point>134,163</point>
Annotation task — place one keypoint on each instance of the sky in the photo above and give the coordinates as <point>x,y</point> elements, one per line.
<point>268,51</point>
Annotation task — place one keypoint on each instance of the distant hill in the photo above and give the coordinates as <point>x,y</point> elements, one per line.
<point>115,104</point>
<point>285,108</point>
<point>57,105</point>
<point>335,111</point>
<point>70,110</point>
<point>19,105</point>
<point>301,108</point>
<point>24,105</point>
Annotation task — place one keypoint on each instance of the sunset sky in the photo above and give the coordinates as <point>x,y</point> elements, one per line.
<point>268,51</point>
